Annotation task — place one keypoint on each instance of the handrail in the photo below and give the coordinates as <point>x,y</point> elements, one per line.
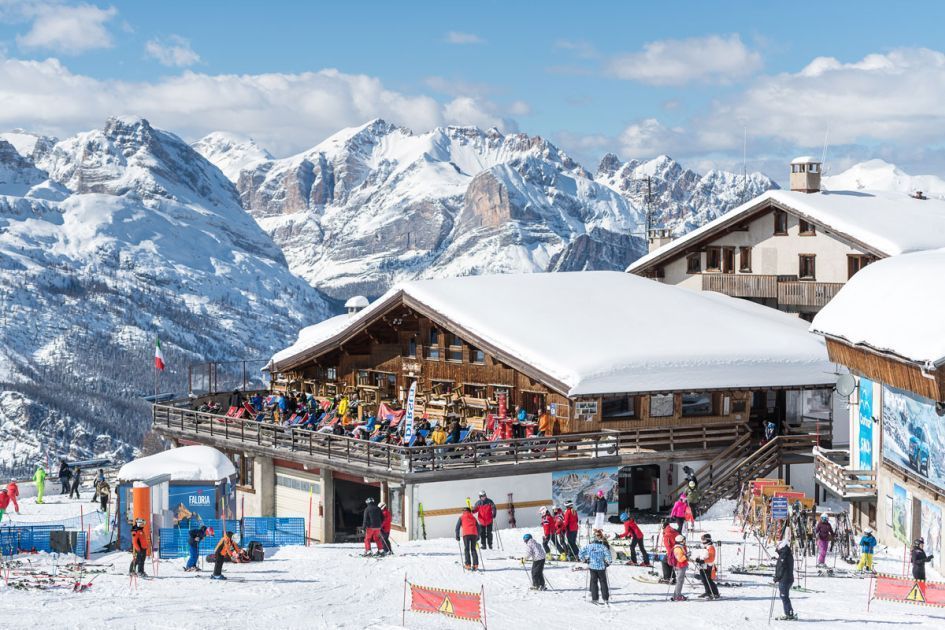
<point>846,482</point>
<point>707,469</point>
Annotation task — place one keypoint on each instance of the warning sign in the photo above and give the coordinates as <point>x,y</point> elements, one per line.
<point>899,589</point>
<point>456,604</point>
<point>915,595</point>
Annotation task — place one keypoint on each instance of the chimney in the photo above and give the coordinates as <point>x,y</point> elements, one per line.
<point>805,174</point>
<point>657,237</point>
<point>356,304</point>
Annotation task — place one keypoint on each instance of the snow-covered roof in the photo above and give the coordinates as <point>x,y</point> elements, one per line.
<point>187,463</point>
<point>894,305</point>
<point>358,301</point>
<point>603,331</point>
<point>888,222</point>
<point>805,159</point>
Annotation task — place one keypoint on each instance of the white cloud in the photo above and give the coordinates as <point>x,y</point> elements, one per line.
<point>520,108</point>
<point>67,29</point>
<point>284,112</point>
<point>175,52</point>
<point>457,37</point>
<point>710,59</point>
<point>581,48</point>
<point>650,137</point>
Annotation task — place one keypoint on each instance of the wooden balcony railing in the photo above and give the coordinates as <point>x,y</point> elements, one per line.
<point>799,293</point>
<point>831,471</point>
<point>741,285</point>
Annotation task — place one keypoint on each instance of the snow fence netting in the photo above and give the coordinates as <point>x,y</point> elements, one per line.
<point>271,532</point>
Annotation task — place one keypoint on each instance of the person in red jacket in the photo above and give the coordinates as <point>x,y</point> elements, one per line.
<point>4,502</point>
<point>386,518</point>
<point>560,530</point>
<point>14,491</point>
<point>485,512</point>
<point>547,528</point>
<point>469,529</point>
<point>633,533</point>
<point>669,541</point>
<point>571,524</point>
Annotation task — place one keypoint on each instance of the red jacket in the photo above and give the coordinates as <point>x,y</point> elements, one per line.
<point>138,540</point>
<point>669,541</point>
<point>13,490</point>
<point>385,521</point>
<point>559,523</point>
<point>467,524</point>
<point>570,520</point>
<point>485,511</point>
<point>547,524</point>
<point>631,530</point>
<point>4,500</point>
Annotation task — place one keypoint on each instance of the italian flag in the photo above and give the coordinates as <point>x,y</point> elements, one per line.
<point>158,355</point>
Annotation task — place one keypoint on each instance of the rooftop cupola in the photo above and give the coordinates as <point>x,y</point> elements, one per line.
<point>355,304</point>
<point>805,174</point>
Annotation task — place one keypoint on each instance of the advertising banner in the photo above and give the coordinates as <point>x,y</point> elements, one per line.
<point>192,504</point>
<point>931,520</point>
<point>914,435</point>
<point>408,419</point>
<point>865,433</point>
<point>901,509</point>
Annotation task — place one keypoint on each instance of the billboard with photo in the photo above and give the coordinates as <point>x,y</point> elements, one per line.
<point>914,435</point>
<point>865,432</point>
<point>901,510</point>
<point>932,527</point>
<point>581,486</point>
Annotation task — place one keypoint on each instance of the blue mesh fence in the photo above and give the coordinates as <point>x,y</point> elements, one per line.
<point>273,532</point>
<point>175,541</point>
<point>28,538</point>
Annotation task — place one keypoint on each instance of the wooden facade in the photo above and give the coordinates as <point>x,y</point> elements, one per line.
<point>889,370</point>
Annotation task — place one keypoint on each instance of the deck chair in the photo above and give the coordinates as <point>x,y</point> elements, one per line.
<point>231,412</point>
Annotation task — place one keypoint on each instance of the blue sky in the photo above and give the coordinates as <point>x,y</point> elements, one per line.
<point>639,79</point>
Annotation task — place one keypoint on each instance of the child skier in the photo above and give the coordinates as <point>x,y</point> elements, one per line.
<point>680,564</point>
<point>535,553</point>
<point>784,578</point>
<point>706,563</point>
<point>571,525</point>
<point>226,551</point>
<point>867,547</point>
<point>547,528</point>
<point>194,537</point>
<point>4,502</point>
<point>598,557</point>
<point>469,529</point>
<point>633,533</point>
<point>824,532</point>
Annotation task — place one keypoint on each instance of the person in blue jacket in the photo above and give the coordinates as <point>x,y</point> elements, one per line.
<point>196,535</point>
<point>598,557</point>
<point>867,547</point>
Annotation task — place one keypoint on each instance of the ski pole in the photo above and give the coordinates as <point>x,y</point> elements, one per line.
<point>587,584</point>
<point>774,588</point>
<point>526,572</point>
<point>462,556</point>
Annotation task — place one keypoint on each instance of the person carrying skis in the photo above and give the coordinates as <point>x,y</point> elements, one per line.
<point>76,480</point>
<point>670,531</point>
<point>4,502</point>
<point>104,492</point>
<point>139,548</point>
<point>535,553</point>
<point>706,563</point>
<point>560,531</point>
<point>39,477</point>
<point>867,547</point>
<point>919,559</point>
<point>600,510</point>
<point>598,557</point>
<point>681,565</point>
<point>784,578</point>
<point>824,533</point>
<point>678,513</point>
<point>691,480</point>
<point>65,476</point>
<point>467,526</point>
<point>485,512</point>
<point>225,551</point>
<point>14,491</point>
<point>194,536</point>
<point>99,478</point>
<point>386,518</point>
<point>633,533</point>
<point>372,522</point>
<point>571,525</point>
<point>547,529</point>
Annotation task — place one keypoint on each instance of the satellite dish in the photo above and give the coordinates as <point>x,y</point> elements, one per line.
<point>846,384</point>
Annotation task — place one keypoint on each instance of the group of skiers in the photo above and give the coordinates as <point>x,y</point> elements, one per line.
<point>376,522</point>
<point>475,529</point>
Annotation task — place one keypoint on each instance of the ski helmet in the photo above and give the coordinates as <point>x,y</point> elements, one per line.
<point>680,538</point>
<point>674,526</point>
<point>600,493</point>
<point>692,484</point>
<point>706,538</point>
<point>369,500</point>
<point>868,531</point>
<point>918,541</point>
<point>482,493</point>
<point>542,510</point>
<point>568,504</point>
<point>139,522</point>
<point>527,537</point>
<point>382,505</point>
<point>824,517</point>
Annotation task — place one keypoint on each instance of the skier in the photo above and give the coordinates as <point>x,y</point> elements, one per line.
<point>139,548</point>
<point>372,522</point>
<point>536,554</point>
<point>670,531</point>
<point>469,528</point>
<point>104,491</point>
<point>386,518</point>
<point>76,480</point>
<point>681,564</point>
<point>99,478</point>
<point>784,578</point>
<point>560,543</point>
<point>571,529</point>
<point>547,529</point>
<point>633,533</point>
<point>600,510</point>
<point>194,537</point>
<point>598,557</point>
<point>919,559</point>
<point>824,532</point>
<point>485,512</point>
<point>867,547</point>
<point>226,551</point>
<point>39,477</point>
<point>706,562</point>
<point>678,513</point>
<point>14,491</point>
<point>65,476</point>
<point>4,502</point>
<point>691,480</point>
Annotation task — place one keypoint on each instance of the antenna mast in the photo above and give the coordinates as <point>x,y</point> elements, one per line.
<point>745,166</point>
<point>649,220</point>
<point>823,157</point>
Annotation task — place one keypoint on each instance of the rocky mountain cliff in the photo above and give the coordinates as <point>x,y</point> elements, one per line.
<point>108,240</point>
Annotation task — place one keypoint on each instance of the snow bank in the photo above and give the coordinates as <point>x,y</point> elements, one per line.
<point>892,306</point>
<point>187,463</point>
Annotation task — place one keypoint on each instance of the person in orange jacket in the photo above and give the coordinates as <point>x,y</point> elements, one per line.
<point>681,563</point>
<point>139,548</point>
<point>706,563</point>
<point>226,551</point>
<point>545,423</point>
<point>14,491</point>
<point>469,528</point>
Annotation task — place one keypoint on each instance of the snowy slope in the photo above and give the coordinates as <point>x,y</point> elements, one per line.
<point>231,153</point>
<point>881,175</point>
<point>146,239</point>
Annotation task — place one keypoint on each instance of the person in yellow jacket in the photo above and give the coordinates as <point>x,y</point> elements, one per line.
<point>40,479</point>
<point>343,406</point>
<point>438,436</point>
<point>681,559</point>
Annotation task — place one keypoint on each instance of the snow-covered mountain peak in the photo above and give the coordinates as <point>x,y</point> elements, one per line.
<point>29,145</point>
<point>231,153</point>
<point>877,174</point>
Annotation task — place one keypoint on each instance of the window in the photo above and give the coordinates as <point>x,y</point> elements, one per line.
<point>697,404</point>
<point>386,384</point>
<point>780,222</point>
<point>618,407</point>
<point>661,405</point>
<point>744,259</point>
<point>694,263</point>
<point>728,260</point>
<point>806,229</point>
<point>244,469</point>
<point>395,501</point>
<point>476,355</point>
<point>713,258</point>
<point>455,350</point>
<point>474,391</point>
<point>364,378</point>
<point>855,262</point>
<point>433,350</point>
<point>806,269</point>
<point>331,374</point>
<point>411,351</point>
<point>813,168</point>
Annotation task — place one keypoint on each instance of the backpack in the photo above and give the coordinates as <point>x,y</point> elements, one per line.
<point>256,552</point>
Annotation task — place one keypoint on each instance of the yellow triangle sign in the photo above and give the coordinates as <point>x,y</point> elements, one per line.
<point>915,595</point>
<point>447,606</point>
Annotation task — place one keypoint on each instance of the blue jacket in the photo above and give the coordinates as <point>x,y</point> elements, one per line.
<point>867,543</point>
<point>597,555</point>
